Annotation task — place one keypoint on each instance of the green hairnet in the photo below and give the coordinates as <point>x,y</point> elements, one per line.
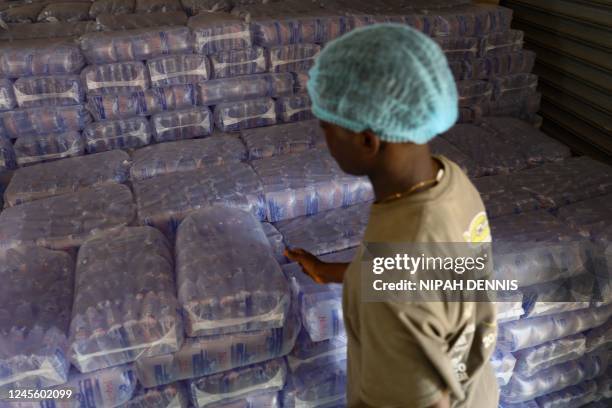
<point>387,78</point>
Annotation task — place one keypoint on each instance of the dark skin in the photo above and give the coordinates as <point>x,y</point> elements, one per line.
<point>391,167</point>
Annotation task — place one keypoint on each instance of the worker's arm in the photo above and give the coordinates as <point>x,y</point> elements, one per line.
<point>319,271</point>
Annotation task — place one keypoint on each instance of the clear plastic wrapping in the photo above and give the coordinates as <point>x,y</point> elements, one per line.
<point>493,65</point>
<point>276,242</point>
<point>504,42</point>
<point>178,69</point>
<point>591,216</point>
<point>244,87</point>
<point>320,305</point>
<point>165,201</point>
<point>460,47</point>
<point>214,354</point>
<point>111,22</point>
<point>222,289</point>
<point>307,183</point>
<point>115,78</point>
<point>523,106</point>
<point>537,147</point>
<point>152,6</point>
<point>235,116</point>
<point>571,397</point>
<point>24,13</point>
<point>293,58</point>
<point>66,221</point>
<point>68,12</point>
<point>509,306</point>
<point>53,146</point>
<point>492,154</point>
<point>43,120</point>
<point>239,383</point>
<point>167,396</point>
<point>7,155</point>
<point>40,57</point>
<point>149,102</point>
<point>26,31</point>
<point>49,91</point>
<point>66,176</point>
<point>320,30</point>
<point>238,62</point>
<point>186,155</point>
<point>599,336</point>
<point>474,92</point>
<point>469,20</point>
<point>113,7</point>
<point>514,86</point>
<point>552,379</point>
<point>283,139</point>
<point>125,306</point>
<point>531,360</point>
<point>135,45</point>
<point>36,298</point>
<point>306,349</point>
<point>214,32</point>
<point>328,231</point>
<point>7,96</point>
<point>526,333</point>
<point>503,365</point>
<point>119,134</point>
<point>182,124</point>
<point>294,108</point>
<point>199,7</point>
<point>559,296</point>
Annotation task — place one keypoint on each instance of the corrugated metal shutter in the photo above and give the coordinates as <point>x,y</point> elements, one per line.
<point>573,42</point>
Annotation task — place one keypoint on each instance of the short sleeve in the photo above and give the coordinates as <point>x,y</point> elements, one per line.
<point>404,356</point>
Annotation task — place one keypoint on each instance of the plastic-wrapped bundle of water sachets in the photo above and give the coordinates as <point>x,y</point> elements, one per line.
<point>124,307</point>
<point>109,22</point>
<point>43,120</point>
<point>235,116</point>
<point>514,86</point>
<point>67,12</point>
<point>504,42</point>
<point>524,333</point>
<point>244,87</point>
<point>47,30</point>
<point>470,20</point>
<point>533,359</point>
<point>509,306</point>
<point>238,383</point>
<point>553,379</point>
<point>167,396</point>
<point>320,305</point>
<point>66,176</point>
<point>135,45</point>
<point>460,47</point>
<point>283,139</point>
<point>503,366</point>
<point>293,58</point>
<point>494,65</point>
<point>238,62</point>
<point>22,13</point>
<point>39,57</point>
<point>579,395</point>
<point>35,299</point>
<point>328,231</point>
<point>308,183</point>
<point>214,32</point>
<point>152,6</point>
<point>7,96</point>
<point>65,221</point>
<point>310,29</point>
<point>115,78</point>
<point>276,242</point>
<point>186,155</point>
<point>183,124</point>
<point>114,7</point>
<point>294,108</point>
<point>7,155</point>
<point>35,149</point>
<point>49,91</point>
<point>559,296</point>
<point>118,134</point>
<point>217,287</point>
<point>474,92</point>
<point>178,69</point>
<point>306,349</point>
<point>207,355</point>
<point>599,336</point>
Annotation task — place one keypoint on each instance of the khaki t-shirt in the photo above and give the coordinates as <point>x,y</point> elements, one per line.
<point>407,354</point>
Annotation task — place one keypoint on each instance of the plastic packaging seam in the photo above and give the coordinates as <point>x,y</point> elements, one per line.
<point>319,402</point>
<point>200,70</point>
<point>290,112</point>
<point>269,114</point>
<point>203,40</point>
<point>277,381</point>
<point>22,97</point>
<point>74,148</point>
<point>508,44</point>
<point>138,81</point>
<point>204,124</point>
<point>139,133</point>
<point>198,324</point>
<point>294,362</point>
<point>41,372</point>
<point>222,65</point>
<point>276,63</point>
<point>170,338</point>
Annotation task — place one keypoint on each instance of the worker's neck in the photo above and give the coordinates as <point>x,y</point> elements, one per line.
<point>400,174</point>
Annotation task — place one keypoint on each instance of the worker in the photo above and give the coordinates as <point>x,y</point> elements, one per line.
<point>381,93</point>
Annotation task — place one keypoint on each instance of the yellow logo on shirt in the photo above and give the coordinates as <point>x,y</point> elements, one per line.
<point>479,230</point>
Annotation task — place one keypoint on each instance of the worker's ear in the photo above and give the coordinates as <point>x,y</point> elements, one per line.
<point>370,142</point>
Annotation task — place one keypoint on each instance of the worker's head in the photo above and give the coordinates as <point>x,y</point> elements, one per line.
<point>379,90</point>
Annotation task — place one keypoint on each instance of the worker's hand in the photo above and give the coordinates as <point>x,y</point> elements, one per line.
<point>311,265</point>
